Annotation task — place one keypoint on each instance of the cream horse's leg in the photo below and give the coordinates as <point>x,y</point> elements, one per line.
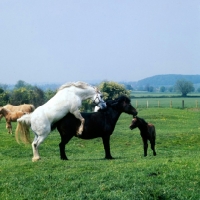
<point>77,114</point>
<point>9,127</point>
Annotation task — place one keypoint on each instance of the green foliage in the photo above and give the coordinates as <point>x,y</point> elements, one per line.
<point>170,89</point>
<point>4,98</point>
<point>1,90</point>
<point>22,84</point>
<point>19,96</point>
<point>3,86</point>
<point>49,94</point>
<point>25,93</point>
<point>112,90</point>
<point>162,89</point>
<point>184,87</point>
<point>173,174</point>
<point>37,96</point>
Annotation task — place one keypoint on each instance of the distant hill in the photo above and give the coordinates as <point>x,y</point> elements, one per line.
<point>167,80</point>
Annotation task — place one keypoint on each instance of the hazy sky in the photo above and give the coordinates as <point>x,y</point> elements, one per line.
<point>57,41</point>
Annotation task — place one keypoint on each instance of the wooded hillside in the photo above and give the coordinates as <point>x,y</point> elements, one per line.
<point>167,80</point>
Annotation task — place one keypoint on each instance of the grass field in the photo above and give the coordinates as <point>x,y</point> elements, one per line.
<point>173,174</point>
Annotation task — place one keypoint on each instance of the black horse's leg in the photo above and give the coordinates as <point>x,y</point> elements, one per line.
<point>64,140</point>
<point>145,145</point>
<point>106,143</point>
<point>152,141</point>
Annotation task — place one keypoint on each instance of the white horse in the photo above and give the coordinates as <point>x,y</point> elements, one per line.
<point>96,108</point>
<point>67,99</point>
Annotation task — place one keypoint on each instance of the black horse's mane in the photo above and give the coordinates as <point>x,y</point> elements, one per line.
<point>113,103</point>
<point>118,100</point>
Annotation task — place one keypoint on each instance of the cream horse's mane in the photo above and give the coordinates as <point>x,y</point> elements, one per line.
<point>78,84</point>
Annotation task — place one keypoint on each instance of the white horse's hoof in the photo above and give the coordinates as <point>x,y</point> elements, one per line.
<point>78,133</point>
<point>36,159</point>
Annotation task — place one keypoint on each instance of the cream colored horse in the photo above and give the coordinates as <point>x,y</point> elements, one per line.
<point>10,117</point>
<point>27,108</point>
<point>67,99</point>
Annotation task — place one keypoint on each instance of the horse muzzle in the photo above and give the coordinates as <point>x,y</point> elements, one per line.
<point>102,105</point>
<point>135,113</point>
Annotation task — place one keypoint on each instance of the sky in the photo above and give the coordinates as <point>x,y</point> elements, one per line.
<point>58,41</point>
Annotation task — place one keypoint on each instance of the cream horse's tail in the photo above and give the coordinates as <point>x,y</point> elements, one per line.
<point>22,132</point>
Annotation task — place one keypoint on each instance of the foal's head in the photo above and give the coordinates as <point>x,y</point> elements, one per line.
<point>137,122</point>
<point>134,123</point>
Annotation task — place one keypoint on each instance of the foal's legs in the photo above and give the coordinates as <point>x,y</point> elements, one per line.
<point>145,146</point>
<point>77,114</point>
<point>153,146</point>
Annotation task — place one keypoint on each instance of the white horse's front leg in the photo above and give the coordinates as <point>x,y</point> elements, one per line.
<point>77,114</point>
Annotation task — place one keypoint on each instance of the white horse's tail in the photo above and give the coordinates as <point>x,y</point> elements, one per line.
<point>22,132</point>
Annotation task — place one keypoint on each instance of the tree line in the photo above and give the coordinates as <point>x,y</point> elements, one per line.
<point>181,86</point>
<point>24,93</point>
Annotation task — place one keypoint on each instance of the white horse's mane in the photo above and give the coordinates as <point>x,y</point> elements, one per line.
<point>78,84</point>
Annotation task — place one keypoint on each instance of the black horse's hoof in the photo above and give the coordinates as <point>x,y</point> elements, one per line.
<point>109,158</point>
<point>64,158</point>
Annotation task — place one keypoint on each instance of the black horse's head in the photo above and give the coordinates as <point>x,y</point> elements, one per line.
<point>123,104</point>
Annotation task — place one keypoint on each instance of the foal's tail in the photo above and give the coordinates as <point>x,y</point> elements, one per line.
<point>154,131</point>
<point>22,132</point>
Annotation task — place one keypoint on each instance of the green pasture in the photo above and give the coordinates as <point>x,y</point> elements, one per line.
<point>173,174</point>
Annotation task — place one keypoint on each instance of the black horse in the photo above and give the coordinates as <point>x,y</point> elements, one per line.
<point>147,132</point>
<point>97,124</point>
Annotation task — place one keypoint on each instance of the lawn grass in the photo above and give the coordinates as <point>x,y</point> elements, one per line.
<point>173,174</point>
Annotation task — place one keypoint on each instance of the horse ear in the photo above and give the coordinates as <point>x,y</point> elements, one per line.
<point>96,89</point>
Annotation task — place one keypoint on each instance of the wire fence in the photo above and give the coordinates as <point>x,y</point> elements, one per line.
<point>166,102</point>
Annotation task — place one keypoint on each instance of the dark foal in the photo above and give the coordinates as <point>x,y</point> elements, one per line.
<point>147,132</point>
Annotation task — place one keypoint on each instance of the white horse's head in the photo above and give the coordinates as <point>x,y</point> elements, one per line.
<point>98,100</point>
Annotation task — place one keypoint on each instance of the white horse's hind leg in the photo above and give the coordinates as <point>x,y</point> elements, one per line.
<point>77,114</point>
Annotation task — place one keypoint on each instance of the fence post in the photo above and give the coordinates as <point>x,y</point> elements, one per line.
<point>136,104</point>
<point>158,103</point>
<point>182,103</point>
<point>171,104</point>
<point>196,104</point>
<point>147,104</point>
